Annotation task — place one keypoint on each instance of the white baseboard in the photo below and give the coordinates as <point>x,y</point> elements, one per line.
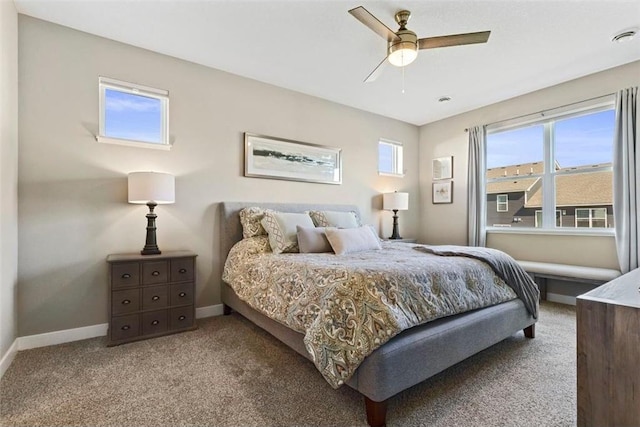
<point>8,357</point>
<point>69,335</point>
<point>562,299</point>
<point>61,337</point>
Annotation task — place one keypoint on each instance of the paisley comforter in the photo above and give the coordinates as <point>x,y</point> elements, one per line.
<point>347,306</point>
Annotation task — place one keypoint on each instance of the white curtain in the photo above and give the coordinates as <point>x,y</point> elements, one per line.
<point>476,196</point>
<point>626,178</point>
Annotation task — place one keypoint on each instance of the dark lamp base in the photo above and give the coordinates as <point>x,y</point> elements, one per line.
<point>395,234</point>
<point>151,247</point>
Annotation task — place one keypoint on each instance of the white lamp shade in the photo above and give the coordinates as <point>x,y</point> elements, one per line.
<point>145,187</point>
<point>395,201</point>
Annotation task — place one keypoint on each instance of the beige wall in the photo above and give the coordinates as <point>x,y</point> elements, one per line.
<point>73,209</point>
<point>8,174</point>
<point>447,224</point>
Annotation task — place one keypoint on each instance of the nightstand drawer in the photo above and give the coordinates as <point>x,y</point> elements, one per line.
<point>154,322</point>
<point>124,302</point>
<point>155,297</point>
<point>124,327</point>
<point>181,317</point>
<point>125,275</point>
<point>182,294</point>
<point>182,269</point>
<point>155,272</point>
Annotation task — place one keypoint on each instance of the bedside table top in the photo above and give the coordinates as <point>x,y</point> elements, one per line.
<point>139,257</point>
<point>407,240</point>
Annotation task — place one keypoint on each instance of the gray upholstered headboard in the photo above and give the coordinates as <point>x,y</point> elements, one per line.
<point>231,229</point>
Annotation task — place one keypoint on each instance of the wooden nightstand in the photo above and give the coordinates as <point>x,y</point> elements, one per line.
<point>150,295</point>
<point>401,240</point>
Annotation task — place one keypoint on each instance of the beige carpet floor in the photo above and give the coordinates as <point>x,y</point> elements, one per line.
<point>231,373</point>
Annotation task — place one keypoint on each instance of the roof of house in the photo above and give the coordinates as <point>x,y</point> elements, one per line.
<point>523,169</point>
<point>516,185</point>
<point>580,189</point>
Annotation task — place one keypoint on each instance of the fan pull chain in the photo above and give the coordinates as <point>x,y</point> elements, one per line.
<point>403,79</point>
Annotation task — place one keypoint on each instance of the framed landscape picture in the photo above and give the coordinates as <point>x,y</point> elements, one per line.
<point>443,168</point>
<point>442,192</point>
<point>277,158</point>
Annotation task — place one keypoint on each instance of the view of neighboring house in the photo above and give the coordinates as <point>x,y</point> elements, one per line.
<point>584,198</point>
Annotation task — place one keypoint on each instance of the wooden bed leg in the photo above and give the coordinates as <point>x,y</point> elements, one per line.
<point>530,331</point>
<point>226,310</point>
<point>376,412</point>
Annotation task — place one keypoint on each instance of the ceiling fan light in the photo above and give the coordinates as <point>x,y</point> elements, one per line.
<point>402,54</point>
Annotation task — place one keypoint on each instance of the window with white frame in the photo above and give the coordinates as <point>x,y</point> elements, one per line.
<point>133,114</point>
<point>390,158</point>
<point>555,168</point>
<point>591,218</point>
<point>502,203</point>
<point>538,218</point>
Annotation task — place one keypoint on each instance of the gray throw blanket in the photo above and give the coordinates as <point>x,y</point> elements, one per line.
<point>504,266</point>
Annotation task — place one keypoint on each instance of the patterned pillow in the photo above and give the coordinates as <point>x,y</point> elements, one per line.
<point>250,219</point>
<point>281,228</point>
<point>335,219</point>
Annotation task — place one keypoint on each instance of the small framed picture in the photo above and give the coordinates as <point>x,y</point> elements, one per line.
<point>443,168</point>
<point>442,192</point>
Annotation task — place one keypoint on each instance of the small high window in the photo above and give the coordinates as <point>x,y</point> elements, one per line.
<point>502,203</point>
<point>390,158</point>
<point>132,114</point>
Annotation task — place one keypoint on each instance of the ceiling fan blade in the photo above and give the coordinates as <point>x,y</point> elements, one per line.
<point>453,40</point>
<point>376,72</point>
<point>364,16</point>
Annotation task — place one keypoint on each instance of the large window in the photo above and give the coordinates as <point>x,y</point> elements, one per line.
<point>553,170</point>
<point>390,158</point>
<point>132,114</point>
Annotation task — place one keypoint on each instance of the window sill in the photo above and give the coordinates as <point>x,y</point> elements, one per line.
<point>553,232</point>
<point>132,143</point>
<point>396,175</point>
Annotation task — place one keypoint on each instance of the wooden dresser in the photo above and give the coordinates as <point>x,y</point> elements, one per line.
<point>609,353</point>
<point>150,295</point>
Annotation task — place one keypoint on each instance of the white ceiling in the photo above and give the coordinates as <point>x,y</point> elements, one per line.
<point>317,48</point>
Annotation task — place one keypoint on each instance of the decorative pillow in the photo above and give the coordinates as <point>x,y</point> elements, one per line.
<point>255,245</point>
<point>250,219</point>
<point>335,219</point>
<point>312,240</point>
<point>348,240</point>
<point>281,228</point>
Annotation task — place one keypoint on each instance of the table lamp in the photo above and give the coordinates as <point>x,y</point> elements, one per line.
<point>152,189</point>
<point>395,202</point>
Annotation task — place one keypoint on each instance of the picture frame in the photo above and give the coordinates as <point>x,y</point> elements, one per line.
<point>442,192</point>
<point>443,168</point>
<point>279,158</point>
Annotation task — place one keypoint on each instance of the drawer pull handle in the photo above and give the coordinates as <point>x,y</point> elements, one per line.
<point>155,298</point>
<point>126,327</point>
<point>126,276</point>
<point>155,273</point>
<point>155,322</point>
<point>182,317</point>
<point>182,294</point>
<point>126,301</point>
<point>182,270</point>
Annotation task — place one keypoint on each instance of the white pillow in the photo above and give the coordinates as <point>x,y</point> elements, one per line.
<point>335,219</point>
<point>312,240</point>
<point>281,228</point>
<point>348,240</point>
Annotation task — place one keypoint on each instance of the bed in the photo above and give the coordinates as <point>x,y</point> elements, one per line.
<point>406,359</point>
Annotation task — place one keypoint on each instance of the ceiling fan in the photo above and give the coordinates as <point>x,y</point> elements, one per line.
<point>403,45</point>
